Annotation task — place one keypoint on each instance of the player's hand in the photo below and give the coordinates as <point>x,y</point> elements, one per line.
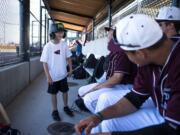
<point>87,124</point>
<point>91,90</point>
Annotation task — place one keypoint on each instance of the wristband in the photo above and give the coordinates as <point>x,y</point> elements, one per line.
<point>100,116</point>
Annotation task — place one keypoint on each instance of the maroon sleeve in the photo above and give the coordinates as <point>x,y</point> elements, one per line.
<point>143,81</point>
<point>173,105</point>
<point>122,64</point>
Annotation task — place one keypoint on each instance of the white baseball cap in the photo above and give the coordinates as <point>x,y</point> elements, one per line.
<point>137,31</point>
<point>168,14</point>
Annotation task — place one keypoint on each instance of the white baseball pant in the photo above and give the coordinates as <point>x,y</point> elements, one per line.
<point>147,115</point>
<point>91,99</point>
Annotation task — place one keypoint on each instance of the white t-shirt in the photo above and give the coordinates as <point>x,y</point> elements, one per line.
<point>55,56</point>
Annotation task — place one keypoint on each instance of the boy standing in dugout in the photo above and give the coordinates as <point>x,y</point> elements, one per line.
<point>55,56</point>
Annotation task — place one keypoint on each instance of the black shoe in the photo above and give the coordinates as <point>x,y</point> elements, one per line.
<point>55,115</point>
<point>68,111</point>
<point>80,104</point>
<point>9,131</point>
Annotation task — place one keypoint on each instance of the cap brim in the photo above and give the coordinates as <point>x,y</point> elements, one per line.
<point>166,20</point>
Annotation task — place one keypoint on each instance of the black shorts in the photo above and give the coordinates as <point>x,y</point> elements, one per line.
<point>60,85</point>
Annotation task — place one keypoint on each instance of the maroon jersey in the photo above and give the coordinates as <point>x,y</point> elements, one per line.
<point>163,84</point>
<point>112,47</point>
<point>119,63</point>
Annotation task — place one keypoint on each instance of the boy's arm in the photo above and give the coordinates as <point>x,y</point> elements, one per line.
<point>46,70</point>
<point>70,65</point>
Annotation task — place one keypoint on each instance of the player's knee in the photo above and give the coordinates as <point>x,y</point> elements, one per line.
<point>90,103</point>
<point>104,97</point>
<point>87,100</point>
<point>81,91</point>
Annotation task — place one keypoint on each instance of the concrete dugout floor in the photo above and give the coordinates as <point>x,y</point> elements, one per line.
<point>30,111</point>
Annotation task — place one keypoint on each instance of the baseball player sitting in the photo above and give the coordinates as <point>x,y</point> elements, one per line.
<point>158,77</point>
<point>120,76</point>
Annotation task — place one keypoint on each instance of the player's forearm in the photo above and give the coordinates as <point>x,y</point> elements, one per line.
<point>109,83</point>
<point>121,108</point>
<point>114,80</point>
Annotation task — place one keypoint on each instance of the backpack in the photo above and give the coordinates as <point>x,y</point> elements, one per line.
<point>80,58</point>
<point>80,73</point>
<point>99,70</point>
<point>74,60</point>
<point>91,80</point>
<point>106,63</point>
<point>90,62</point>
<point>80,104</point>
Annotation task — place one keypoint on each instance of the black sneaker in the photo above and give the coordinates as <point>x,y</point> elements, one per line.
<point>68,111</point>
<point>55,115</point>
<point>9,131</point>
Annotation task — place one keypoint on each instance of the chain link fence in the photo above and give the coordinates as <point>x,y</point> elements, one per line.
<point>149,7</point>
<point>35,44</point>
<point>10,31</point>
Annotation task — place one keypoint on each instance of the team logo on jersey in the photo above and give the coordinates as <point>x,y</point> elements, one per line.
<point>166,97</point>
<point>57,52</point>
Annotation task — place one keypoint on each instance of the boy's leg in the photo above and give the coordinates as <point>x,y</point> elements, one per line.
<point>55,113</point>
<point>3,114</point>
<point>53,90</point>
<point>63,87</point>
<point>67,110</point>
<point>65,98</point>
<point>54,102</point>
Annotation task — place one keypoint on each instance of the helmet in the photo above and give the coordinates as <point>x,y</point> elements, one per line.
<point>137,31</point>
<point>56,27</point>
<point>168,14</point>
